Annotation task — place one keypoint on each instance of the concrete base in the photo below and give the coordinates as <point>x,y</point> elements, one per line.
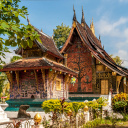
<point>4,106</point>
<point>3,116</point>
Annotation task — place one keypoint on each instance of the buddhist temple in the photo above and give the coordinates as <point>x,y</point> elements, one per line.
<point>98,73</point>
<point>40,74</point>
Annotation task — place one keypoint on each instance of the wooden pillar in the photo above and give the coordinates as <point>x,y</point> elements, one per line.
<point>66,83</point>
<point>43,77</point>
<point>36,77</point>
<point>65,61</point>
<point>50,77</point>
<point>54,78</point>
<point>124,83</point>
<point>10,78</point>
<point>17,78</point>
<point>118,79</point>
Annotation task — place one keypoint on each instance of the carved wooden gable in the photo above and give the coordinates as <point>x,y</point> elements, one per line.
<point>35,51</point>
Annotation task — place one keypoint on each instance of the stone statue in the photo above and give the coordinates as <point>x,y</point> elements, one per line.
<point>22,112</point>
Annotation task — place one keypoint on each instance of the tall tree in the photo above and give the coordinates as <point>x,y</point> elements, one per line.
<point>15,58</point>
<point>117,59</point>
<point>12,31</point>
<point>60,35</point>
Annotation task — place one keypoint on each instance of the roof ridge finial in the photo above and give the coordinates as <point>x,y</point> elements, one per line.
<point>53,35</point>
<point>92,27</point>
<point>99,38</point>
<point>92,20</point>
<point>82,19</point>
<point>41,30</point>
<point>28,21</point>
<point>74,16</point>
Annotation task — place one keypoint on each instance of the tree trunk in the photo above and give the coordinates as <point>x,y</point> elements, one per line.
<point>79,85</point>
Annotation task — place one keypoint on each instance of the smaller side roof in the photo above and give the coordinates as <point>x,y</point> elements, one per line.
<point>47,45</point>
<point>37,63</point>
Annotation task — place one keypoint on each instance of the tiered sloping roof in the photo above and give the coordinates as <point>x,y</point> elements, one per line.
<point>37,63</point>
<point>47,45</point>
<point>94,45</point>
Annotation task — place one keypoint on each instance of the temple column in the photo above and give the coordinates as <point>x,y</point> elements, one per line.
<point>36,77</point>
<point>118,79</point>
<point>43,77</point>
<point>17,78</point>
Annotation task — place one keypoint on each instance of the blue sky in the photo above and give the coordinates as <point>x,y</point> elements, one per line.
<point>110,19</point>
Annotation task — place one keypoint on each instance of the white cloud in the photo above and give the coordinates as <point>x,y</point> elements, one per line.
<point>9,56</point>
<point>106,27</point>
<point>123,55</point>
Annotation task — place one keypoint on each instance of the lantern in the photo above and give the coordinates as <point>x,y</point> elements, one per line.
<point>60,72</point>
<point>37,70</point>
<point>50,69</point>
<point>24,70</point>
<point>37,118</point>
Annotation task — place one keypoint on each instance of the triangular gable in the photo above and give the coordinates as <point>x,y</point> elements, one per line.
<point>94,45</point>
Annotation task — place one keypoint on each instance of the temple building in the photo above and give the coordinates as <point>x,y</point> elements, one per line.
<point>40,74</point>
<point>98,73</point>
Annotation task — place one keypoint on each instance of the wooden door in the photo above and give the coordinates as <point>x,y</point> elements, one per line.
<point>104,87</point>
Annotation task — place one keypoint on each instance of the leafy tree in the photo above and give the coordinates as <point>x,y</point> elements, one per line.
<point>116,59</point>
<point>12,31</point>
<point>15,58</point>
<point>3,82</point>
<point>61,34</point>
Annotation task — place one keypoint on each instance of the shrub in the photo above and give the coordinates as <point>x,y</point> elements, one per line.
<point>119,102</point>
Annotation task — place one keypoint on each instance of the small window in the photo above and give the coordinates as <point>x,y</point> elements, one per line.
<point>58,84</point>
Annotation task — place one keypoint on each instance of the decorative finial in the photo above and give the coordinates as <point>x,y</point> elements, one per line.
<point>53,35</point>
<point>92,27</point>
<point>103,46</point>
<point>82,19</point>
<point>92,20</point>
<point>74,17</point>
<point>41,30</point>
<point>99,37</point>
<point>28,20</point>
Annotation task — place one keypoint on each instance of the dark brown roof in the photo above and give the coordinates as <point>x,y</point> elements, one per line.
<point>47,45</point>
<point>94,45</point>
<point>37,63</point>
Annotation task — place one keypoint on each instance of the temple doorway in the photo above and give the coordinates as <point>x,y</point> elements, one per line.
<point>104,87</point>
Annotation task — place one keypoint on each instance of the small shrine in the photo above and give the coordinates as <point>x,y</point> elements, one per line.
<point>39,75</point>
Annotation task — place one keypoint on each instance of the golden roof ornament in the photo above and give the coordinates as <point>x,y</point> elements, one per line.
<point>41,30</point>
<point>92,27</point>
<point>74,16</point>
<point>82,19</point>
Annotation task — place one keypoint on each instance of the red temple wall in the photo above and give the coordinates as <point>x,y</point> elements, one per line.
<point>80,59</point>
